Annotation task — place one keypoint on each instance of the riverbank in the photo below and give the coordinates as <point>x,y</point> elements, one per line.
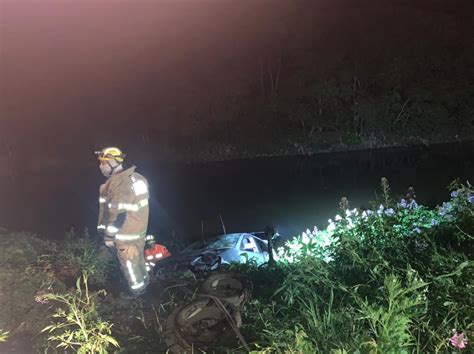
<point>250,148</point>
<point>396,276</point>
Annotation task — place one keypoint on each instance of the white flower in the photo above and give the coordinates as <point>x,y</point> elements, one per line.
<point>295,246</point>
<point>389,212</point>
<point>470,198</point>
<point>354,212</point>
<point>304,238</point>
<point>350,224</point>
<point>331,227</point>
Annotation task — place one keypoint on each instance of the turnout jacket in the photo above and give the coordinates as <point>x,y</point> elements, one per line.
<point>123,206</point>
<point>156,253</point>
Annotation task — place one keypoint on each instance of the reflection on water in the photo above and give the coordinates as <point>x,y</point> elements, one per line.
<point>293,193</point>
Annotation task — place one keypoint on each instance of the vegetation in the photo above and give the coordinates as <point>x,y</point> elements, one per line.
<point>395,278</point>
<point>31,270</point>
<point>78,325</point>
<point>75,255</point>
<point>3,335</point>
<point>329,80</point>
<point>21,279</point>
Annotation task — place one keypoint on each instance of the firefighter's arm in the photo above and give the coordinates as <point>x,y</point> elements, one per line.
<point>100,220</point>
<point>120,202</point>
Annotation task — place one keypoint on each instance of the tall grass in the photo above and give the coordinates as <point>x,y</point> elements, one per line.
<point>3,335</point>
<point>397,278</point>
<point>77,254</point>
<point>78,326</point>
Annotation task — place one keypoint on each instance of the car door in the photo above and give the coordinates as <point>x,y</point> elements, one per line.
<point>250,250</point>
<point>263,248</point>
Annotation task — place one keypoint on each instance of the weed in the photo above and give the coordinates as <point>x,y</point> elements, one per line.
<point>3,335</point>
<point>75,255</point>
<point>391,314</point>
<point>396,278</point>
<point>78,325</point>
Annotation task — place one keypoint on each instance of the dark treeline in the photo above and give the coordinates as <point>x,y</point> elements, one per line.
<point>342,73</point>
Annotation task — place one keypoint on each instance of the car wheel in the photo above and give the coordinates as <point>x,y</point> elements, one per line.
<point>195,326</point>
<point>230,287</point>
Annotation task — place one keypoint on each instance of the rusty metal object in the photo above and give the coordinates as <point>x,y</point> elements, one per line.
<point>216,312</point>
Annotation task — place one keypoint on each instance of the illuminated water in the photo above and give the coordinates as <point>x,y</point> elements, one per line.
<point>292,193</point>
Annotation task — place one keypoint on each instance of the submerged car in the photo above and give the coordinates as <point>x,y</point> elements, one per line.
<point>212,253</point>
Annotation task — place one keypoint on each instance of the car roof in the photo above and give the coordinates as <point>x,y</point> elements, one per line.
<point>240,234</point>
<point>215,237</point>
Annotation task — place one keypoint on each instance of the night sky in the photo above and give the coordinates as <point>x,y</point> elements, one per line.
<point>78,75</point>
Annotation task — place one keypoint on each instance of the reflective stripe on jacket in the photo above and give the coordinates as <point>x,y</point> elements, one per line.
<point>123,211</point>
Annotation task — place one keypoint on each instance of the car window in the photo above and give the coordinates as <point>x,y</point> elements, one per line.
<point>222,241</point>
<point>249,244</point>
<point>263,246</point>
<point>194,246</point>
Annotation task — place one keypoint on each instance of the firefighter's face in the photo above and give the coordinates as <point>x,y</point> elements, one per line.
<point>106,168</point>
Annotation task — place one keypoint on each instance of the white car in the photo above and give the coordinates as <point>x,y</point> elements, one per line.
<point>218,251</point>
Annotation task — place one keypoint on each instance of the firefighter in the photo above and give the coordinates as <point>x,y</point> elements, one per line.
<point>154,252</point>
<point>123,216</point>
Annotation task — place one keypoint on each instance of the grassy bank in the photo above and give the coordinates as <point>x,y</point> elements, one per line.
<point>396,278</point>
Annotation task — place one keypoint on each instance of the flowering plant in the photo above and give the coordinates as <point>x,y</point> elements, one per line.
<point>458,340</point>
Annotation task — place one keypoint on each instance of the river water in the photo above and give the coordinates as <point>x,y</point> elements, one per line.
<point>293,193</point>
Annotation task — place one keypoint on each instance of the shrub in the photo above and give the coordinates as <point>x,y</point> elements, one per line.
<point>392,279</point>
<point>78,326</point>
<point>76,255</point>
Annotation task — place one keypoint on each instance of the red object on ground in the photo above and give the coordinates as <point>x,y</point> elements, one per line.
<point>157,253</point>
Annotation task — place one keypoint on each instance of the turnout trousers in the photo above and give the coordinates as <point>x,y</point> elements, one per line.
<point>132,263</point>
